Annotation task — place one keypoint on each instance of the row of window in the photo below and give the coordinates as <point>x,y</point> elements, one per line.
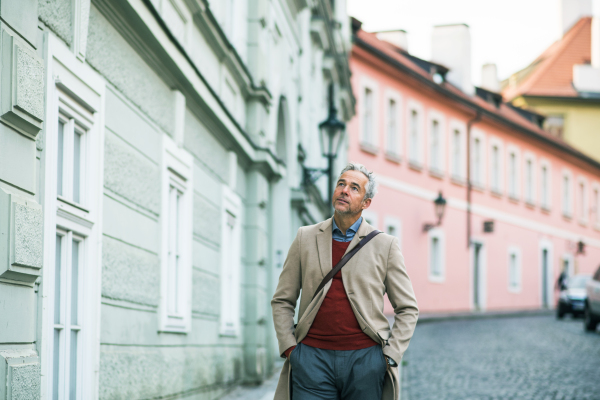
<point>526,178</point>
<point>74,264</point>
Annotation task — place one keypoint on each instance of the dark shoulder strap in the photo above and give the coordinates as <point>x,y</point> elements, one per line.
<point>344,260</point>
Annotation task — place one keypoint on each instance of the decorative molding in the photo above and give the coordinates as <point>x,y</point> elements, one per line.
<point>22,78</point>
<point>318,32</point>
<point>21,232</point>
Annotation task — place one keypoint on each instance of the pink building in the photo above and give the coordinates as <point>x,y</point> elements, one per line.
<point>416,122</point>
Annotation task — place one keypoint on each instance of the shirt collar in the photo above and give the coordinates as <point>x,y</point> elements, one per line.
<point>353,228</point>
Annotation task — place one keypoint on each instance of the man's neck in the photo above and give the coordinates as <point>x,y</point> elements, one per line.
<point>344,222</point>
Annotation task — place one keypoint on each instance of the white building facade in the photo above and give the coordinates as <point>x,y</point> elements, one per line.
<point>152,178</point>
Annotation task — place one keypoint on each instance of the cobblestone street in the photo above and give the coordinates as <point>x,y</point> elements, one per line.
<point>526,358</point>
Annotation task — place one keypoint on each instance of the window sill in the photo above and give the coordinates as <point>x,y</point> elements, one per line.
<point>393,157</point>
<point>546,209</point>
<point>496,193</point>
<point>437,279</point>
<point>597,227</point>
<point>230,334</point>
<point>529,203</point>
<point>72,204</point>
<point>436,173</point>
<point>369,148</point>
<point>583,222</point>
<point>478,187</point>
<point>514,289</point>
<point>415,165</point>
<point>567,217</point>
<point>513,198</point>
<point>457,180</point>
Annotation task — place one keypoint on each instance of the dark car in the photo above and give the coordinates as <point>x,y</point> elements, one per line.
<point>592,303</point>
<point>572,296</point>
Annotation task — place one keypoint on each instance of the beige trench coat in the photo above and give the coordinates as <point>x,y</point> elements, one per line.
<point>376,269</point>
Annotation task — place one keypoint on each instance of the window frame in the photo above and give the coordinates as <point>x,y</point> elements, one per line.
<point>82,90</point>
<point>516,251</point>
<point>513,181</point>
<point>436,116</point>
<point>414,155</point>
<point>176,169</point>
<point>369,143</point>
<point>393,153</point>
<point>461,163</point>
<point>477,134</point>
<point>436,233</point>
<point>231,205</point>
<point>567,201</point>
<point>595,200</point>
<point>396,223</point>
<point>583,204</point>
<point>545,198</point>
<point>496,142</point>
<point>529,157</point>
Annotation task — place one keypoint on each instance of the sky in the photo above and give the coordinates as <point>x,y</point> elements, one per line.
<point>508,33</point>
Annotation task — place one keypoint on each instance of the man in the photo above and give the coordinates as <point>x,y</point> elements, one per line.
<point>342,347</point>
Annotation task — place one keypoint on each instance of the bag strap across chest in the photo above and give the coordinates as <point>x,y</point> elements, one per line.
<point>344,260</point>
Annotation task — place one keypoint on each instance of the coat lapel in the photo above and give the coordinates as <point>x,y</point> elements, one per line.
<point>324,246</point>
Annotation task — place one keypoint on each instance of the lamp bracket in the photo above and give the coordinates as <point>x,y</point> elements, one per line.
<point>311,175</point>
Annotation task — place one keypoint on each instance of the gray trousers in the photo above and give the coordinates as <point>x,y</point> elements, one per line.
<point>319,374</point>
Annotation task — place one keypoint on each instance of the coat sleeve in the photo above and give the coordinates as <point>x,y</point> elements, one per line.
<point>286,295</point>
<point>402,298</point>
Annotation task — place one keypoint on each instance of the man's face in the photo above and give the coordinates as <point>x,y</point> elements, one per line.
<point>349,193</point>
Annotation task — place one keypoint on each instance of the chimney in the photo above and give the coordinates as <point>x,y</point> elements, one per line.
<point>571,11</point>
<point>586,77</point>
<point>451,47</point>
<point>489,78</point>
<point>398,38</point>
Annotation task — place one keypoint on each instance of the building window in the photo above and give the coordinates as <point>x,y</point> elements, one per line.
<point>582,202</point>
<point>71,156</point>
<point>496,167</point>
<point>69,271</point>
<point>367,136</point>
<point>514,269</point>
<point>566,194</point>
<point>477,157</point>
<point>231,237</point>
<point>456,154</point>
<point>436,255</point>
<point>393,128</point>
<point>176,225</point>
<point>545,188</point>
<point>414,137</point>
<point>436,142</point>
<point>554,124</point>
<point>596,209</point>
<point>393,227</point>
<point>529,180</point>
<point>513,174</point>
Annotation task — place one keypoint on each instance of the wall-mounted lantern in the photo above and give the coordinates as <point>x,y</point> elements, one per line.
<point>331,132</point>
<point>580,247</point>
<point>440,207</point>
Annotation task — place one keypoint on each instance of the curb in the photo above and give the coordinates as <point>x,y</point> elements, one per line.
<point>427,318</point>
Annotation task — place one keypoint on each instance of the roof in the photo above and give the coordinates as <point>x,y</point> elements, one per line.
<point>422,71</point>
<point>551,74</point>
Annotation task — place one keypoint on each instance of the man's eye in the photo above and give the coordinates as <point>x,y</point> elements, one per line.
<point>355,189</point>
<point>340,184</point>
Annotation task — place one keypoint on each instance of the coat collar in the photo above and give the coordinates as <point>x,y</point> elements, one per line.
<point>324,238</point>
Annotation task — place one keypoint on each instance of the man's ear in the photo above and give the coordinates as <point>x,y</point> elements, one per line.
<point>366,204</point>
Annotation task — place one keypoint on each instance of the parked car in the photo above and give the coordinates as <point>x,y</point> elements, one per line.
<point>572,296</point>
<point>592,303</point>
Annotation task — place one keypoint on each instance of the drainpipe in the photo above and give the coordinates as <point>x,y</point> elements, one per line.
<point>469,186</point>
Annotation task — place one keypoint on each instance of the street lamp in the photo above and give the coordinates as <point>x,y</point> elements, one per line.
<point>331,134</point>
<point>440,207</point>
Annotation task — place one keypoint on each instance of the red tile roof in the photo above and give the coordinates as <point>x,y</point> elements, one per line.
<point>504,114</point>
<point>551,74</point>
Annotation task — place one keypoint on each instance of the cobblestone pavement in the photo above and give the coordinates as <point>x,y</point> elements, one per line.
<point>526,358</point>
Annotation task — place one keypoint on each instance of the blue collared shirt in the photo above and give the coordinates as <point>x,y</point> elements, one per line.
<point>337,234</point>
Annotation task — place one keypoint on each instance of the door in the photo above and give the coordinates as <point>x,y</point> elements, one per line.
<point>477,276</point>
<point>545,278</point>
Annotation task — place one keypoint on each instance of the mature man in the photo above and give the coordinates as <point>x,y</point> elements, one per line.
<point>342,347</point>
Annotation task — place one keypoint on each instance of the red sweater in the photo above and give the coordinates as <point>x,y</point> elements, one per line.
<point>335,327</point>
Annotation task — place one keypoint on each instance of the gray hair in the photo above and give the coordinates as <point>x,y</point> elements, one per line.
<point>371,188</point>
